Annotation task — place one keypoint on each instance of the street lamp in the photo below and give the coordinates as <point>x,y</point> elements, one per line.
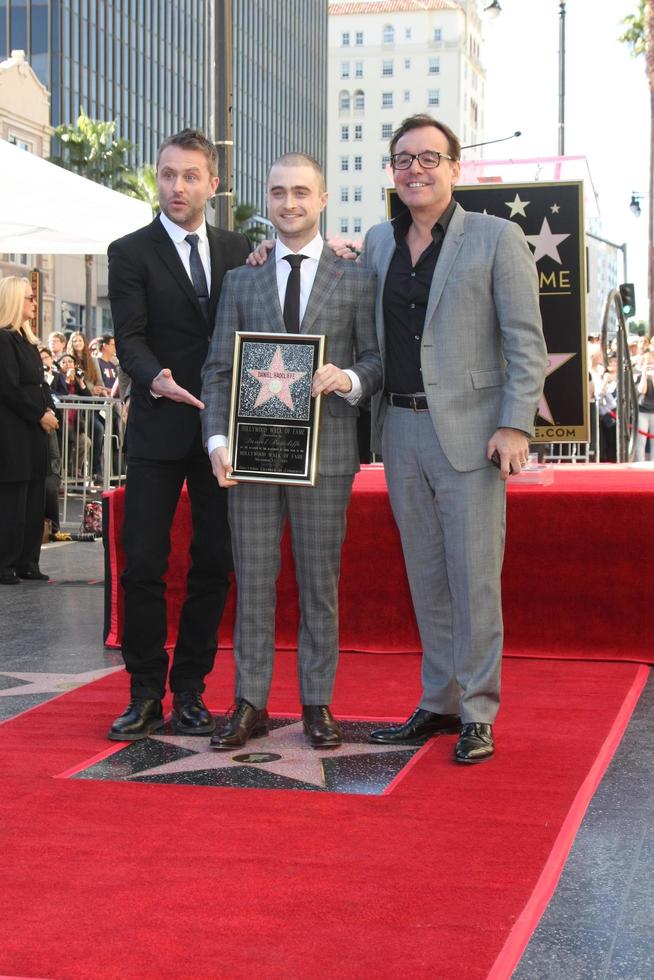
<point>634,204</point>
<point>494,10</point>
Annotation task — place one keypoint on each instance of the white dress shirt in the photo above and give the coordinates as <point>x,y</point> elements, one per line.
<point>178,236</point>
<point>312,252</point>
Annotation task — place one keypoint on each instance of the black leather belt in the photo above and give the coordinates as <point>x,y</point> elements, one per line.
<point>418,403</point>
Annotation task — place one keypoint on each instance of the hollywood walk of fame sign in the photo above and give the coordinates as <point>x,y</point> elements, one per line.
<point>274,421</point>
<point>551,217</point>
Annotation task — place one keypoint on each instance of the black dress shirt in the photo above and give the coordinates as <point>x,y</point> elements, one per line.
<point>406,294</point>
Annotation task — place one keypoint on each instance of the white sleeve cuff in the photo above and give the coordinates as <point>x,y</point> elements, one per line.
<point>352,396</point>
<point>216,442</point>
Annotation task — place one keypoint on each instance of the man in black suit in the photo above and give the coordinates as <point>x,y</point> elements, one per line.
<point>164,285</point>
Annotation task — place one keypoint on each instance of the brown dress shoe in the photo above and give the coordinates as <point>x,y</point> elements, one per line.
<point>475,743</point>
<point>241,722</point>
<point>320,727</point>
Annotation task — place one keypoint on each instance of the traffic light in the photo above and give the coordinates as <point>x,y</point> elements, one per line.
<point>628,297</point>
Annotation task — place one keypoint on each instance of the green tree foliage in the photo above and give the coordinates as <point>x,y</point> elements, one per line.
<point>243,222</point>
<point>634,32</point>
<point>90,148</point>
<point>143,186</point>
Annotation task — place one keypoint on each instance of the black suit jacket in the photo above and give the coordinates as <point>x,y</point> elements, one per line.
<point>24,397</point>
<point>159,324</point>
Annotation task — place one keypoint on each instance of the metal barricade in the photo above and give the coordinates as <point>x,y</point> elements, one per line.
<point>91,438</point>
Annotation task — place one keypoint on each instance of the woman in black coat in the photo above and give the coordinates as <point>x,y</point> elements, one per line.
<point>26,418</point>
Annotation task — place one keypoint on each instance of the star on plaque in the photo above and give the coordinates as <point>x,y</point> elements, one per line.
<point>546,242</point>
<point>517,206</point>
<point>554,362</point>
<point>276,381</point>
<point>555,208</point>
<point>22,683</point>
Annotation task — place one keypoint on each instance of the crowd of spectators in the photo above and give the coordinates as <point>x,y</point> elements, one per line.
<point>603,395</point>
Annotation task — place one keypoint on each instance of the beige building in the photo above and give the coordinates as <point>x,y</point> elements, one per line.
<point>389,59</point>
<point>25,122</point>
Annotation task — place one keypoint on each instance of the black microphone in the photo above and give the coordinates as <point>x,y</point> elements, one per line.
<point>471,146</point>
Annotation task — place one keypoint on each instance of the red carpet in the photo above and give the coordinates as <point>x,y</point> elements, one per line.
<point>576,552</point>
<point>127,880</point>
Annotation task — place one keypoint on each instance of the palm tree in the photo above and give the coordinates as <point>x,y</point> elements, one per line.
<point>639,35</point>
<point>143,186</point>
<point>245,216</point>
<point>90,148</point>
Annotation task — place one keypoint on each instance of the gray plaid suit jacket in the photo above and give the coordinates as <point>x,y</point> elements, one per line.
<point>483,355</point>
<point>341,306</point>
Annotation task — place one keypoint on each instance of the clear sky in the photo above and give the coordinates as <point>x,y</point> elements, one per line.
<point>607,105</point>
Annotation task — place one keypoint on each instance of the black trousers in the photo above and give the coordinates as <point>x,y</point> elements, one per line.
<point>22,507</point>
<point>152,491</point>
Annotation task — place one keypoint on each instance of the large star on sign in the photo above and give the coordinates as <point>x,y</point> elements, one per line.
<point>545,242</point>
<point>554,362</point>
<point>517,206</point>
<point>276,381</point>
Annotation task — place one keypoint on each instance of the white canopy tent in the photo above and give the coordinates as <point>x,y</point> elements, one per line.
<point>46,210</point>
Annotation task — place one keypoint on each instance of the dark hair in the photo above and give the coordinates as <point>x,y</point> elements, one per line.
<point>106,338</point>
<point>420,120</point>
<point>193,139</point>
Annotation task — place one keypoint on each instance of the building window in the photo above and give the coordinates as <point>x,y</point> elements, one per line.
<point>387,68</point>
<point>345,39</point>
<point>434,66</point>
<point>358,163</point>
<point>357,225</point>
<point>345,164</point>
<point>358,194</point>
<point>344,101</point>
<point>383,197</point>
<point>385,161</point>
<point>387,131</point>
<point>407,63</point>
<point>358,132</point>
<point>344,226</point>
<point>345,195</point>
<point>387,100</point>
<point>345,69</point>
<point>433,96</point>
<point>358,69</point>
<point>407,94</point>
<point>388,34</point>
<point>438,34</point>
<point>21,144</point>
<point>407,33</point>
<point>345,132</point>
<point>359,101</point>
<point>358,38</point>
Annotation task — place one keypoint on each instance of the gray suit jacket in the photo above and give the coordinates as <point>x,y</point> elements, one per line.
<point>483,355</point>
<point>341,306</point>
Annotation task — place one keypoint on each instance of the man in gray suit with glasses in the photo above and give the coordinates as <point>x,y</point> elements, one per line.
<point>336,298</point>
<point>459,329</point>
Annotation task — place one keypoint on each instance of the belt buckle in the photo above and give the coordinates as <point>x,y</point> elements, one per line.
<point>414,406</point>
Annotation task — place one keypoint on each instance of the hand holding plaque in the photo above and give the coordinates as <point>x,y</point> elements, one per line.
<point>274,418</point>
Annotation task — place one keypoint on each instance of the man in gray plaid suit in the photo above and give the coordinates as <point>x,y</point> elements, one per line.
<point>336,298</point>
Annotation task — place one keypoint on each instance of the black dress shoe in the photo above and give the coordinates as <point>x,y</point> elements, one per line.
<point>9,577</point>
<point>191,715</point>
<point>475,743</point>
<point>242,722</point>
<point>419,727</point>
<point>140,717</point>
<point>32,575</point>
<point>320,727</point>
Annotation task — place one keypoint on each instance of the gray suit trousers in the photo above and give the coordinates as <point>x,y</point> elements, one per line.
<point>452,529</point>
<point>317,518</point>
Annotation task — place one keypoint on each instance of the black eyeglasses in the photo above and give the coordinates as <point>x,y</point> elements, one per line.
<point>429,159</point>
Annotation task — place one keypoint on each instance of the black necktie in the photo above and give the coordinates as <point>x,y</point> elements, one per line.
<point>197,274</point>
<point>292,298</point>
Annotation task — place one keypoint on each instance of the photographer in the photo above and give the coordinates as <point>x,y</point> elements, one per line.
<point>645,386</point>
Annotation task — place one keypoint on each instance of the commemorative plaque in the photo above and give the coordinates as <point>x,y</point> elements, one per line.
<point>274,422</point>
